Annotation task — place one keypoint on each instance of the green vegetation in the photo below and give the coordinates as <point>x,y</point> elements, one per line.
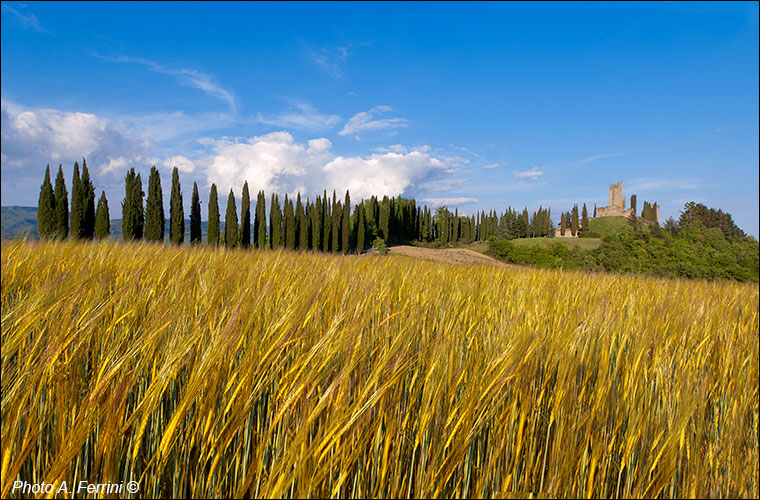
<point>583,243</point>
<point>607,226</point>
<point>245,218</point>
<point>133,214</point>
<point>102,221</point>
<point>154,208</point>
<point>213,217</point>
<point>46,209</point>
<point>61,231</point>
<point>176,211</point>
<point>689,250</point>
<point>231,222</point>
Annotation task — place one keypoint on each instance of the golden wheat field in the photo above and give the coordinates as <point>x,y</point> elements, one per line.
<point>209,372</point>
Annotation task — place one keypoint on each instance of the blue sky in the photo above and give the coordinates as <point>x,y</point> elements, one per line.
<point>479,106</point>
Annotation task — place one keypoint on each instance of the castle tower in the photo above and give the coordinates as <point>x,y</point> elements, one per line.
<point>616,198</point>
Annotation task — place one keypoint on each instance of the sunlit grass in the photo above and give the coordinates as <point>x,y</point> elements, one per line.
<point>204,372</point>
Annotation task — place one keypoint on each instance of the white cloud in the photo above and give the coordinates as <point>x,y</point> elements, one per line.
<point>183,164</point>
<point>453,202</point>
<point>276,163</point>
<point>395,148</point>
<point>366,122</point>
<point>533,174</point>
<point>492,165</point>
<point>188,77</point>
<point>40,136</point>
<point>306,118</point>
<point>586,161</point>
<point>331,60</point>
<point>28,21</point>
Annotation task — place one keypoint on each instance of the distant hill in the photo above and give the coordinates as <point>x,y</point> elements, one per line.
<point>21,222</point>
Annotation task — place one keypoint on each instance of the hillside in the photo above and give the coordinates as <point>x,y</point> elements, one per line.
<point>18,222</point>
<point>607,226</point>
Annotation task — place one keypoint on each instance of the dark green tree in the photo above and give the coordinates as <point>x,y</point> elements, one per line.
<point>316,225</point>
<point>245,218</point>
<point>360,236</point>
<point>574,221</point>
<point>46,208</point>
<point>275,223</point>
<point>289,225</point>
<point>346,226</point>
<point>61,196</point>
<point>88,218</point>
<point>594,210</point>
<point>102,218</point>
<point>633,204</point>
<point>176,211</point>
<point>133,216</point>
<point>562,224</point>
<point>326,222</point>
<point>154,208</point>
<point>260,221</point>
<point>213,217</point>
<point>302,225</point>
<point>385,209</point>
<point>77,202</point>
<point>195,217</point>
<point>231,222</point>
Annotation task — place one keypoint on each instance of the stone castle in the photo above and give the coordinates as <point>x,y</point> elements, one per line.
<point>616,207</point>
<point>616,203</point>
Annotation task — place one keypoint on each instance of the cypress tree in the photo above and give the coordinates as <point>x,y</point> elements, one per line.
<point>346,222</point>
<point>562,225</point>
<point>385,209</point>
<point>231,222</point>
<point>46,208</point>
<point>574,221</point>
<point>584,219</point>
<point>326,222</point>
<point>154,208</point>
<point>128,211</point>
<point>302,225</point>
<point>360,239</point>
<point>88,203</point>
<point>289,226</point>
<point>195,217</point>
<point>102,218</point>
<point>245,218</point>
<point>176,211</point>
<point>76,204</point>
<point>594,210</point>
<point>133,216</point>
<point>213,217</point>
<point>139,194</point>
<point>336,223</point>
<point>286,228</point>
<point>259,221</point>
<point>633,205</point>
<point>275,223</point>
<point>316,225</point>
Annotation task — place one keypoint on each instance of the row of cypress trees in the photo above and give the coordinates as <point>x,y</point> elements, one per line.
<point>53,216</point>
<point>324,224</point>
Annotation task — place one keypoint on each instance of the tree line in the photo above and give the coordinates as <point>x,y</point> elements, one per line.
<point>326,223</point>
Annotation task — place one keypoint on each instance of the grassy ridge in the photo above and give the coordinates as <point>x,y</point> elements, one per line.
<point>275,374</point>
